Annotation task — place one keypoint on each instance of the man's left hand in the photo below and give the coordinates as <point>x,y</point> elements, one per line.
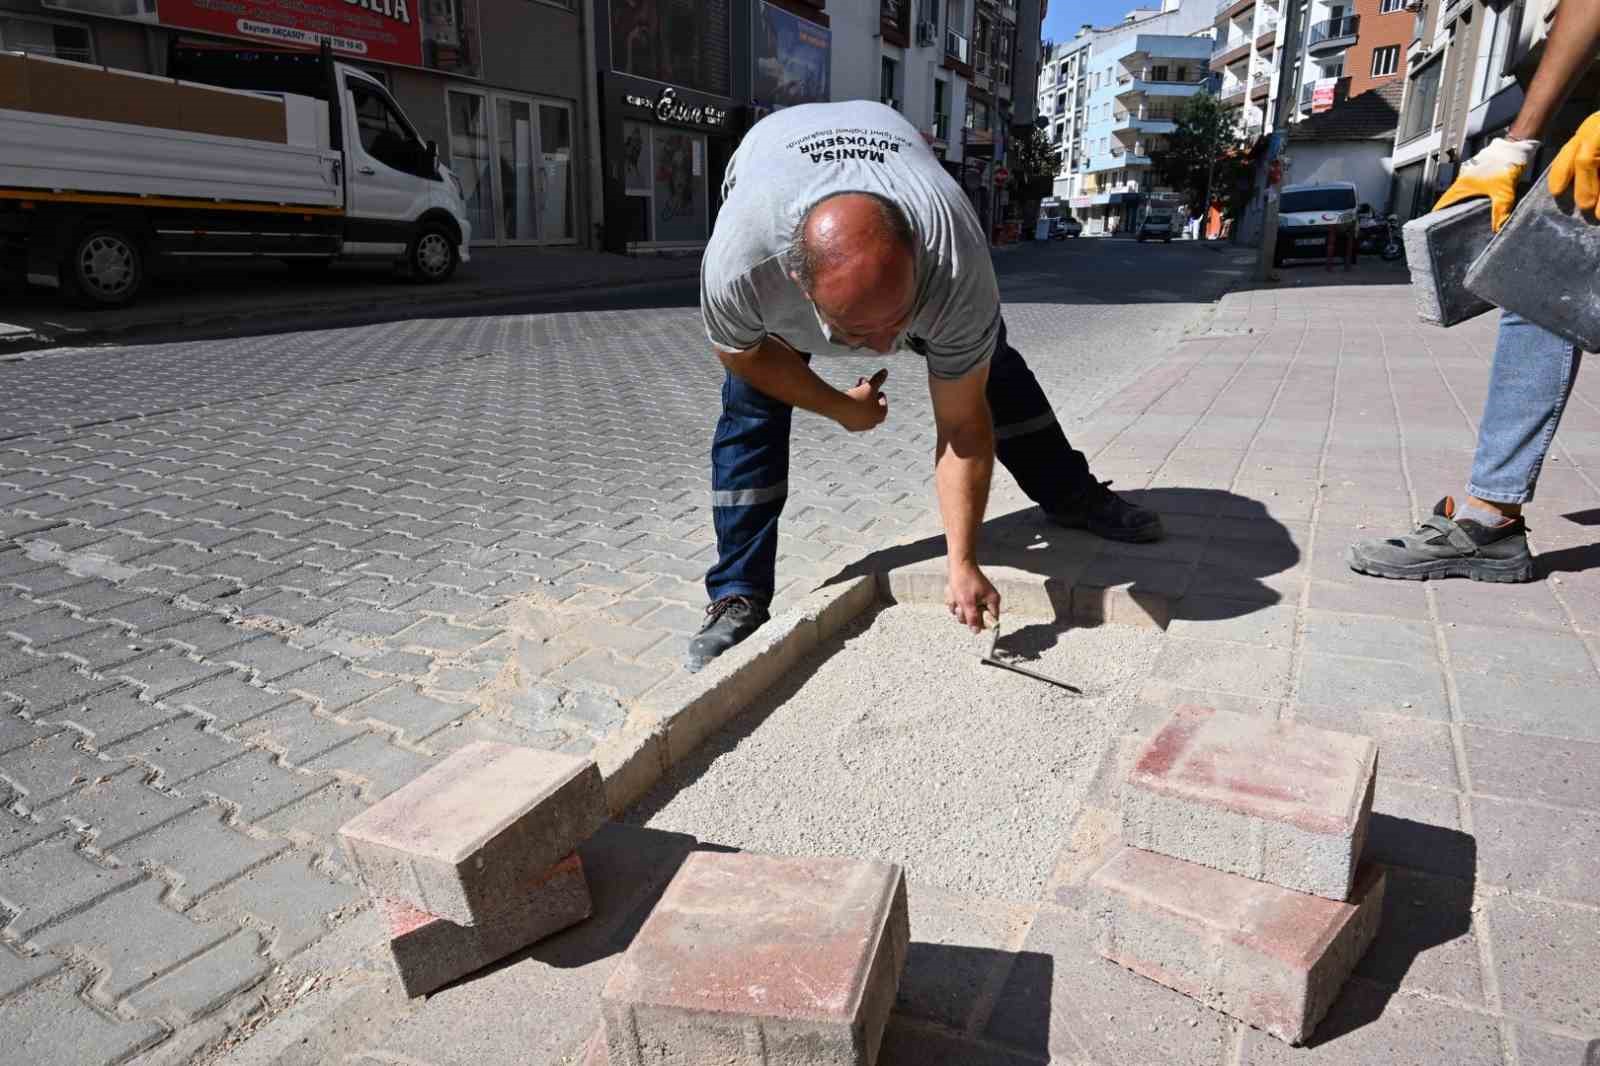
<point>969,595</point>
<point>1578,166</point>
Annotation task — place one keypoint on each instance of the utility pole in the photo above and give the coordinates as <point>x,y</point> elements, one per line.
<point>1286,99</point>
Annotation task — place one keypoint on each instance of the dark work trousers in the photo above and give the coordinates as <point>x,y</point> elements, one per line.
<point>750,468</point>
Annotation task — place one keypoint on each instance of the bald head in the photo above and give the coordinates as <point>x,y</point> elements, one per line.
<point>855,255</point>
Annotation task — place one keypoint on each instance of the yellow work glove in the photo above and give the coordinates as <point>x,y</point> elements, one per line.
<point>1493,172</point>
<point>1578,166</point>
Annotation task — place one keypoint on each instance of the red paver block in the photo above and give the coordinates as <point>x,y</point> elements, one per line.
<point>464,839</point>
<point>1277,801</point>
<point>430,952</point>
<point>1263,954</point>
<point>756,960</point>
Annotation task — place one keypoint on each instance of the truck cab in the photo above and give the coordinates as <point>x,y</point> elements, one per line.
<point>238,153</point>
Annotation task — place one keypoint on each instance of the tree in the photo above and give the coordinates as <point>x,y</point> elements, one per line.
<point>1033,162</point>
<point>1204,153</point>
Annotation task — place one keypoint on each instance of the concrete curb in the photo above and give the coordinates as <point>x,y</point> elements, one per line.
<point>672,720</point>
<point>1069,594</point>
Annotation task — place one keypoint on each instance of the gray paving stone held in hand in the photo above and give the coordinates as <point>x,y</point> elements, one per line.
<point>1440,249</point>
<point>459,840</point>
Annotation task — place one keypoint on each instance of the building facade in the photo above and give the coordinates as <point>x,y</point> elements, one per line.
<point>1063,103</point>
<point>1344,48</point>
<point>496,83</point>
<point>1139,74</point>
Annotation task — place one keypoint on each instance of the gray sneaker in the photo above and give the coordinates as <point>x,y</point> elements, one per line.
<point>1444,547</point>
<point>728,621</point>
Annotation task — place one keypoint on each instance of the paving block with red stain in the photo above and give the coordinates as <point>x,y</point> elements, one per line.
<point>462,841</point>
<point>756,960</point>
<point>1263,954</point>
<point>430,952</point>
<point>1277,801</point>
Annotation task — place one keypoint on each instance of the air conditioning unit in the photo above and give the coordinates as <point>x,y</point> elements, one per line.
<point>927,34</point>
<point>1413,5</point>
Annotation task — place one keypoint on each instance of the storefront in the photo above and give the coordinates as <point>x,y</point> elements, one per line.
<point>496,83</point>
<point>670,86</point>
<point>665,149</point>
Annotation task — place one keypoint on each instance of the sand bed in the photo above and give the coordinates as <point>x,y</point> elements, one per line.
<point>893,742</point>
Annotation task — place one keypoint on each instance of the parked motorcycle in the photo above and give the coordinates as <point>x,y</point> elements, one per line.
<point>1393,247</point>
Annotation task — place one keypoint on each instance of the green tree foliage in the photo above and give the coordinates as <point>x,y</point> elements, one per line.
<point>1206,142</point>
<point>1033,162</point>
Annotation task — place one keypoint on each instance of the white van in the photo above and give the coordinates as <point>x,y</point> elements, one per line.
<point>1306,216</point>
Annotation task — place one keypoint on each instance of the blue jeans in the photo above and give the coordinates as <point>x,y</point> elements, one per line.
<point>1529,383</point>
<point>750,468</point>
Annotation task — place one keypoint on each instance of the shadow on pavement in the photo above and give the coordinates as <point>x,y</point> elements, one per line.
<point>1314,274</point>
<point>1216,562</point>
<point>937,993</point>
<point>1427,904</point>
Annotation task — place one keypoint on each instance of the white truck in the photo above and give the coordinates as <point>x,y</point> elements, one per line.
<point>106,173</point>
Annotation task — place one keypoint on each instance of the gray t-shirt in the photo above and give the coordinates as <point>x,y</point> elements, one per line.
<point>794,157</point>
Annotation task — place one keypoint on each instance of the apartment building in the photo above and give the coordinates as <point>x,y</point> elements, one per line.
<point>1139,74</point>
<point>1345,48</point>
<point>1063,97</point>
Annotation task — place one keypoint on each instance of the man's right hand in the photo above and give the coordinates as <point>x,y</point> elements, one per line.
<point>1493,172</point>
<point>867,407</point>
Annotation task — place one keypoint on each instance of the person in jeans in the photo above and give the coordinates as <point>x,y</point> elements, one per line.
<point>840,231</point>
<point>1485,538</point>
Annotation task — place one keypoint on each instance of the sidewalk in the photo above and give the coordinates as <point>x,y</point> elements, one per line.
<point>1302,417</point>
<point>235,295</point>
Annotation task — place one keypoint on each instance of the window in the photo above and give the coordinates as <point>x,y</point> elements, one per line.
<point>1387,7</point>
<point>1055,138</point>
<point>61,40</point>
<point>1061,103</point>
<point>1158,73</point>
<point>1317,200</point>
<point>1421,102</point>
<point>384,133</point>
<point>941,111</point>
<point>887,93</point>
<point>1385,61</point>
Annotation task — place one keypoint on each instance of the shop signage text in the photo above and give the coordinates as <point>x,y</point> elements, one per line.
<point>668,108</point>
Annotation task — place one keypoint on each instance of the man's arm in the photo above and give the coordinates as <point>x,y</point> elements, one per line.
<point>1568,51</point>
<point>776,370</point>
<point>963,465</point>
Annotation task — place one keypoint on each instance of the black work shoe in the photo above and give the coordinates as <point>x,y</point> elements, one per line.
<point>1444,546</point>
<point>1105,514</point>
<point>728,621</point>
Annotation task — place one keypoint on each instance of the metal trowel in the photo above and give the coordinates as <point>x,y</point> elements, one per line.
<point>990,660</point>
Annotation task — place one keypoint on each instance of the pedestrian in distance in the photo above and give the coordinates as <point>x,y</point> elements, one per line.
<point>1485,537</point>
<point>840,232</point>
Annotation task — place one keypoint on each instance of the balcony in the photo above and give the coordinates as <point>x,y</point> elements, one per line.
<point>1230,52</point>
<point>957,47</point>
<point>1259,84</point>
<point>1232,92</point>
<point>1232,8</point>
<point>1008,12</point>
<point>1334,35</point>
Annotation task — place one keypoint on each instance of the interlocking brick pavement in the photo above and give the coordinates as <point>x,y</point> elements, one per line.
<point>249,587</point>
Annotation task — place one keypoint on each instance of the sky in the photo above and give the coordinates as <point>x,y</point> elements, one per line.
<point>1066,16</point>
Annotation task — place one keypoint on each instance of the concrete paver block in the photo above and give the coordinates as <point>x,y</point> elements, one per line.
<point>1276,801</point>
<point>1268,956</point>
<point>1439,248</point>
<point>1529,265</point>
<point>463,839</point>
<point>753,960</point>
<point>430,952</point>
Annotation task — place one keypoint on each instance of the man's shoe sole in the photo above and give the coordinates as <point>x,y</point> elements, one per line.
<point>1502,571</point>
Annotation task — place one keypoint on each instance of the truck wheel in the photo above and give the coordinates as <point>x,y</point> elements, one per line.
<point>432,256</point>
<point>104,266</point>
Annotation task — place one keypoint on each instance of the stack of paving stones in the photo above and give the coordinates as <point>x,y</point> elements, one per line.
<point>758,960</point>
<point>1240,881</point>
<point>477,858</point>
